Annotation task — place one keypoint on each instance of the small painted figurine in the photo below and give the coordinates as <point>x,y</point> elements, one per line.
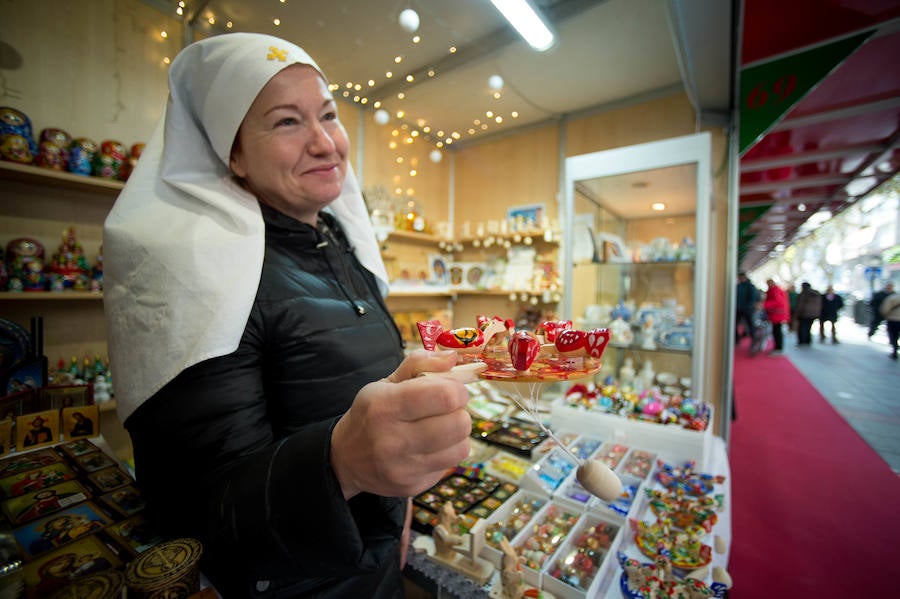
<point>445,540</point>
<point>69,262</point>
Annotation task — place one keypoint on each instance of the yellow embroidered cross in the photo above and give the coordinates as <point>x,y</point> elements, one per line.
<point>275,53</point>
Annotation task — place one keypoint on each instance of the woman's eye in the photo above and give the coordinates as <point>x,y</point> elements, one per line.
<point>330,116</point>
<point>286,122</point>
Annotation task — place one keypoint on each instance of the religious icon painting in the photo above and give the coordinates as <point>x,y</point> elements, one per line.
<point>16,404</point>
<point>27,461</point>
<point>65,396</point>
<point>91,462</point>
<point>73,449</point>
<point>56,569</point>
<point>80,422</point>
<point>63,527</point>
<point>6,436</point>
<point>35,480</point>
<point>126,501</point>
<point>37,429</point>
<point>31,506</point>
<point>109,479</point>
<point>134,534</point>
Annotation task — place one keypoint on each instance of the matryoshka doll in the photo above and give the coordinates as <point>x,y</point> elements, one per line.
<point>128,165</point>
<point>16,122</point>
<point>53,150</point>
<point>15,148</point>
<point>81,156</point>
<point>109,160</point>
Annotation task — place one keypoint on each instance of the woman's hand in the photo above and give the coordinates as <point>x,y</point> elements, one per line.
<point>402,433</point>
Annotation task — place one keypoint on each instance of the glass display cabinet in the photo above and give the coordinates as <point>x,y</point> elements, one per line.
<point>637,260</point>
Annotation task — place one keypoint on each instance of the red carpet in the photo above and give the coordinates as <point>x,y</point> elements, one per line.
<point>815,511</point>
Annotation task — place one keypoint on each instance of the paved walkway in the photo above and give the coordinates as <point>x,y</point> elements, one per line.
<point>858,378</point>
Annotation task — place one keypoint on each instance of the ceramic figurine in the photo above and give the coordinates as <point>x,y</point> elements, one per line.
<point>621,332</point>
<point>648,331</point>
<point>571,343</point>
<point>511,577</point>
<point>460,551</point>
<point>644,379</point>
<point>626,373</point>
<point>523,349</point>
<point>81,156</point>
<point>97,273</point>
<point>101,389</point>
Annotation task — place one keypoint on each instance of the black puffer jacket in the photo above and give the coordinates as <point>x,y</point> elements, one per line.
<point>235,450</point>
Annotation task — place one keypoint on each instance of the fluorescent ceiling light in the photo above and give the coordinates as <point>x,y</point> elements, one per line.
<point>526,20</point>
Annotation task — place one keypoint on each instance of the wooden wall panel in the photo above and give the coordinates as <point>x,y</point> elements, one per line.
<point>672,116</point>
<point>94,69</point>
<point>517,170</point>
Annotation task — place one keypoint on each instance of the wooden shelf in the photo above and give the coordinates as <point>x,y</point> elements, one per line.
<point>537,236</point>
<point>648,264</point>
<point>12,171</point>
<point>107,406</point>
<point>49,295</point>
<point>442,292</point>
<point>412,236</point>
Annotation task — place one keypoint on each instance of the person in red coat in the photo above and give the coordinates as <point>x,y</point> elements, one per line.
<point>778,310</point>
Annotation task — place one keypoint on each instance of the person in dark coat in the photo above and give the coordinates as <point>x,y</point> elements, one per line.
<point>258,371</point>
<point>747,295</point>
<point>809,306</point>
<point>875,305</point>
<point>831,306</point>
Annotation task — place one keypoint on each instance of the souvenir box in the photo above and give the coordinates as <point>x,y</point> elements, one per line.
<point>471,496</point>
<point>541,541</point>
<point>511,520</point>
<point>513,435</point>
<point>585,564</point>
<point>671,442</point>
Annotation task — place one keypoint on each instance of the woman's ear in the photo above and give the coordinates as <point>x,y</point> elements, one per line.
<point>236,160</point>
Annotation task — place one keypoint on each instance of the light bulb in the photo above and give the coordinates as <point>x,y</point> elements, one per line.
<point>382,116</point>
<point>435,156</point>
<point>495,82</point>
<point>409,20</point>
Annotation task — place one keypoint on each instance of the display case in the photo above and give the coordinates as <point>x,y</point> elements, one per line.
<point>636,260</point>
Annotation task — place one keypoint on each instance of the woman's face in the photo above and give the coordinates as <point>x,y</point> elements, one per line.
<point>291,149</point>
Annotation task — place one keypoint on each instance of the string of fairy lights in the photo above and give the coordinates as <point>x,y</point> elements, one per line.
<point>406,129</point>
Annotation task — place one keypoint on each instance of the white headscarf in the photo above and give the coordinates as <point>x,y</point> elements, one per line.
<point>183,244</point>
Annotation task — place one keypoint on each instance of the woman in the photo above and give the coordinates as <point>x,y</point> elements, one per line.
<point>244,324</point>
<point>778,311</point>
